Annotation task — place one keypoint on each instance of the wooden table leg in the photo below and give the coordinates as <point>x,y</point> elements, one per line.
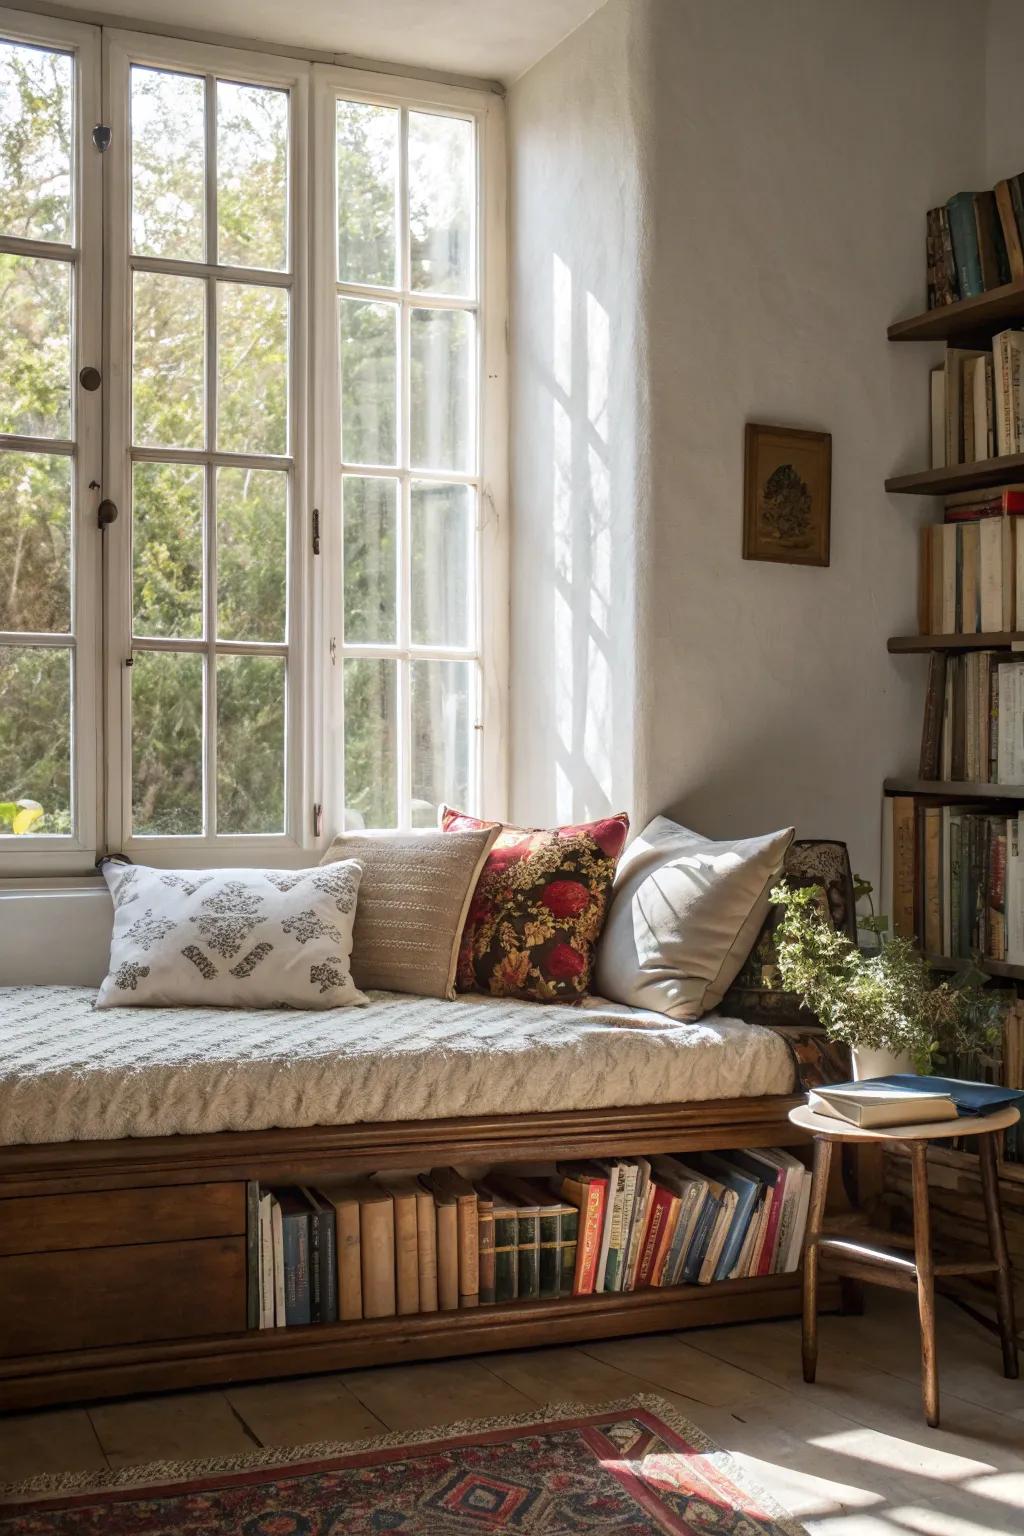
<point>925,1282</point>
<point>997,1244</point>
<point>815,1217</point>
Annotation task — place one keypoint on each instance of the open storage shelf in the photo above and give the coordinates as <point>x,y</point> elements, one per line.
<point>943,789</point>
<point>959,477</point>
<point>1003,640</point>
<point>978,318</point>
<point>176,1168</point>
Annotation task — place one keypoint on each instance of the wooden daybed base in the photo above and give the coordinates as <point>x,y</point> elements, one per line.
<point>123,1263</point>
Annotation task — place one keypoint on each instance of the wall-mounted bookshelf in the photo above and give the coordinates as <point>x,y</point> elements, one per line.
<point>967,320</point>
<point>955,843</point>
<point>959,477</point>
<point>1002,640</point>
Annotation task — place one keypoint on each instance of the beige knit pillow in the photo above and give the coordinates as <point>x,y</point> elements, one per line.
<point>413,899</point>
<point>684,915</point>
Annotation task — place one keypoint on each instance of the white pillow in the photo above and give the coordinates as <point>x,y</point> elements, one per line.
<point>240,938</point>
<point>685,913</point>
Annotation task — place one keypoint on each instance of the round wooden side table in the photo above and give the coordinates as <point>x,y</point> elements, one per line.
<point>871,1257</point>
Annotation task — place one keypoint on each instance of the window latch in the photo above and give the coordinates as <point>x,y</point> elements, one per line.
<point>101,136</point>
<point>316,530</point>
<point>106,513</point>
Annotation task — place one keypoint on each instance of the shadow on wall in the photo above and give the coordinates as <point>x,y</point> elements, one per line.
<point>568,710</point>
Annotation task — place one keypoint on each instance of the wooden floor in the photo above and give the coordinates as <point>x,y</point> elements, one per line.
<point>850,1456</point>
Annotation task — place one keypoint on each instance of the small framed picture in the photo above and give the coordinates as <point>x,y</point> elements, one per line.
<point>787,508</point>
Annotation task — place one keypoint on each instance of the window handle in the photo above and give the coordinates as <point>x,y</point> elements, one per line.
<point>106,513</point>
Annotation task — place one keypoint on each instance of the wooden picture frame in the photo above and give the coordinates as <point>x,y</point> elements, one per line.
<point>787,495</point>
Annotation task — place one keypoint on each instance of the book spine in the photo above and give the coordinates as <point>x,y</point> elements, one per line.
<point>407,1261</point>
<point>506,1257</point>
<point>589,1243</point>
<point>447,1257</point>
<point>328,1266</point>
<point>350,1280</point>
<point>252,1254</point>
<point>653,1238</point>
<point>550,1255</point>
<point>469,1252</point>
<point>295,1226</point>
<point>426,1248</point>
<point>567,1249</point>
<point>485,1219</point>
<point>529,1256</point>
<point>931,732</point>
<point>964,235</point>
<point>315,1237</point>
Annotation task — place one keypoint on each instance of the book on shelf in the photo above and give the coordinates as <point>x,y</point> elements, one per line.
<point>983,249</point>
<point>973,728</point>
<point>965,869</point>
<point>873,1108</point>
<point>976,402</point>
<point>485,1201</point>
<point>451,1189</point>
<point>391,1243</point>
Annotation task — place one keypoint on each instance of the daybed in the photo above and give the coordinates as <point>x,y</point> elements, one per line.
<point>125,1151</point>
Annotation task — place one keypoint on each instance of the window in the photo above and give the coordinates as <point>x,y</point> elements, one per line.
<point>49,438</point>
<point>293,618</point>
<point>408,347</point>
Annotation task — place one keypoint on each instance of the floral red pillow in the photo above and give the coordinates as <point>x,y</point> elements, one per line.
<point>538,908</point>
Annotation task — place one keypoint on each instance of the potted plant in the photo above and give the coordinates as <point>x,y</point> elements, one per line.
<point>889,1005</point>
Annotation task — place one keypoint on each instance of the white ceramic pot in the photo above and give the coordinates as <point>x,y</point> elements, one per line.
<point>869,1061</point>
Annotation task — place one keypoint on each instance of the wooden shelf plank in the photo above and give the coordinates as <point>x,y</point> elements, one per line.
<point>990,967</point>
<point>980,317</point>
<point>959,477</point>
<point>959,790</point>
<point>909,644</point>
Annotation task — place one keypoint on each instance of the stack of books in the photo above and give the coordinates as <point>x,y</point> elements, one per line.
<point>972,565</point>
<point>956,880</point>
<point>395,1244</point>
<point>976,402</point>
<point>974,719</point>
<point>975,242</point>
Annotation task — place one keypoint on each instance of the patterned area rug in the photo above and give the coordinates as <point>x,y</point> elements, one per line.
<point>632,1468</point>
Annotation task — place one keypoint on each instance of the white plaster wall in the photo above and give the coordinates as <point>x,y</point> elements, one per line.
<point>59,937</point>
<point>783,159</point>
<point>578,425</point>
<point>1004,99</point>
<point>797,146</point>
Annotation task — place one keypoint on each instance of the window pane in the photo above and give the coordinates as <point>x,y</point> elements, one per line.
<point>167,550</point>
<point>35,738</point>
<point>252,553</point>
<point>370,513</point>
<point>36,93</point>
<point>168,131</point>
<point>441,203</point>
<point>442,385</point>
<point>35,346</point>
<point>442,744</point>
<point>367,140</point>
<point>369,382</point>
<point>250,744</point>
<point>168,361</point>
<point>167,744</point>
<point>252,369</point>
<point>443,557</point>
<point>371,743</point>
<point>35,549</point>
<point>252,176</point>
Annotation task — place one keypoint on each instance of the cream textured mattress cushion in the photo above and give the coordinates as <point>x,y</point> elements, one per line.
<point>69,1071</point>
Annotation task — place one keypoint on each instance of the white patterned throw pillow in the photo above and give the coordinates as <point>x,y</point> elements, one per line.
<point>239,938</point>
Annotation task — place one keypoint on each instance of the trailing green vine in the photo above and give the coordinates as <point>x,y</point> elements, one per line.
<point>887,998</point>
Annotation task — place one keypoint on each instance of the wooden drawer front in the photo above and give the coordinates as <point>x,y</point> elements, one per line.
<point>79,1300</point>
<point>110,1217</point>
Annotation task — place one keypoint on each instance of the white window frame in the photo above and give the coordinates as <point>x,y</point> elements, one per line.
<point>102,620</point>
<point>490,480</point>
<point>44,854</point>
<point>294,844</point>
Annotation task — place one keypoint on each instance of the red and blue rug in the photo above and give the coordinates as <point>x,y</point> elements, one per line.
<point>633,1468</point>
